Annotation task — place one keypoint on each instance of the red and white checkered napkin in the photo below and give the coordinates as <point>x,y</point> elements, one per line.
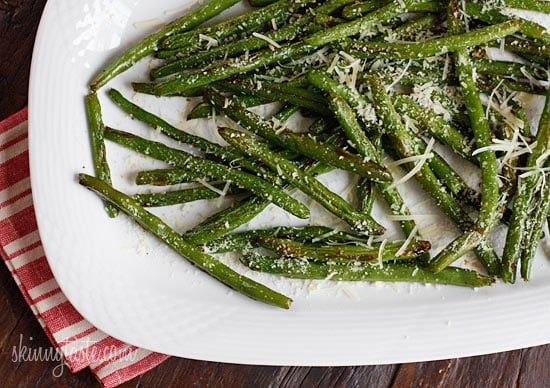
<point>80,344</point>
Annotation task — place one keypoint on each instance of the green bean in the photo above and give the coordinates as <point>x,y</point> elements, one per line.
<point>391,195</point>
<point>301,143</point>
<point>239,214</point>
<point>345,116</point>
<point>520,114</point>
<point>223,153</point>
<point>302,180</point>
<point>226,221</point>
<point>449,177</point>
<point>345,253</point>
<point>279,11</point>
<point>327,21</point>
<point>535,231</point>
<point>441,130</point>
<point>409,29</point>
<point>277,92</point>
<point>325,82</point>
<point>529,87</point>
<point>524,46</point>
<point>175,197</point>
<point>493,16</point>
<point>332,6</point>
<point>488,84</point>
<point>310,234</point>
<point>531,5</point>
<point>319,168</point>
<point>201,260</point>
<point>394,272</point>
<point>171,54</point>
<point>366,196</point>
<point>150,44</point>
<point>99,153</point>
<point>427,179</point>
<point>518,232</point>
<point>489,212</point>
<point>188,58</point>
<point>167,176</point>
<point>354,11</point>
<point>414,76</point>
<point>435,125</point>
<point>322,125</point>
<point>363,8</point>
<point>433,47</point>
<point>407,145</point>
<point>517,113</point>
<point>508,69</point>
<point>181,159</point>
<point>364,24</point>
<point>261,3</point>
<point>366,149</point>
<point>250,44</point>
<point>285,114</point>
<point>168,129</point>
<point>204,110</point>
<point>437,164</point>
<point>182,83</point>
<point>542,61</point>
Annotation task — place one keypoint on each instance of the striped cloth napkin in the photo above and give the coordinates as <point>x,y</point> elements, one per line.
<point>80,344</point>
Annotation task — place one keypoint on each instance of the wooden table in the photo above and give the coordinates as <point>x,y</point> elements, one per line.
<point>527,368</point>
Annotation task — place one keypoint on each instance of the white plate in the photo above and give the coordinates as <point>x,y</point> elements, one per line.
<point>130,286</point>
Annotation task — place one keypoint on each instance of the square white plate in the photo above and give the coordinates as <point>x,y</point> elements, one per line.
<point>133,288</point>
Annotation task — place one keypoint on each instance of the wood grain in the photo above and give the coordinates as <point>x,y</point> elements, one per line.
<point>18,25</point>
<point>522,368</point>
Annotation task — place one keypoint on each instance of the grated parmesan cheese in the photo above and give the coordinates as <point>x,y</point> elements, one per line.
<point>324,236</point>
<point>424,95</point>
<point>446,66</point>
<point>533,80</point>
<point>333,64</point>
<point>350,294</point>
<point>533,171</point>
<point>210,187</point>
<point>416,167</point>
<point>410,159</point>
<point>211,42</point>
<point>407,242</point>
<point>400,76</point>
<point>490,103</point>
<point>271,42</point>
<point>148,23</point>
<point>219,200</point>
<point>381,252</point>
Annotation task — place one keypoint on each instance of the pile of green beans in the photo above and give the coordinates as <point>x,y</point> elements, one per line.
<point>376,85</point>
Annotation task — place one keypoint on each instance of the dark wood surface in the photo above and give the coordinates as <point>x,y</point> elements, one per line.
<point>525,368</point>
